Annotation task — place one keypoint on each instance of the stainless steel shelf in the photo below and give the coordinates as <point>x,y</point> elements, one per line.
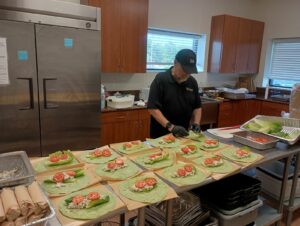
<point>267,216</point>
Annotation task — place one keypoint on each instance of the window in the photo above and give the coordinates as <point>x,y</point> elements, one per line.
<point>163,45</point>
<point>283,69</point>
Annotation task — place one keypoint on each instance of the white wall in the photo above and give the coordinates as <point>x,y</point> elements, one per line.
<point>190,16</point>
<point>282,20</point>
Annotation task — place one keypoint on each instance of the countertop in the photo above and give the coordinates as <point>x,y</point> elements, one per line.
<point>109,109</point>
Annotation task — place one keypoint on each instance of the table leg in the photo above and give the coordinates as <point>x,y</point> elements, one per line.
<point>122,219</point>
<point>169,212</point>
<point>293,191</point>
<point>141,216</point>
<point>283,186</point>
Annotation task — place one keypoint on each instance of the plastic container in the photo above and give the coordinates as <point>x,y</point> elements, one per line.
<point>15,169</point>
<point>247,138</point>
<point>244,217</point>
<point>120,102</point>
<point>271,175</point>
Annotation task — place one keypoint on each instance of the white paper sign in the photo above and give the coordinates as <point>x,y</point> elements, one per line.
<point>4,79</point>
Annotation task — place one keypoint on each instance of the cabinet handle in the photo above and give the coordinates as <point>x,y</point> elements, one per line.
<point>30,93</point>
<point>120,117</point>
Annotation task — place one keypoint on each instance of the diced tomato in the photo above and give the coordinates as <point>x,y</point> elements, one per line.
<point>71,173</point>
<point>93,196</point>
<point>208,161</point>
<point>185,150</point>
<point>97,153</point>
<point>111,165</point>
<point>188,168</point>
<point>135,142</point>
<point>211,141</point>
<point>192,147</point>
<point>77,199</point>
<point>54,158</point>
<point>241,152</point>
<point>127,145</point>
<point>154,155</point>
<point>169,138</point>
<point>260,139</point>
<point>63,156</point>
<point>59,177</point>
<point>216,158</point>
<point>106,153</point>
<point>140,184</point>
<point>181,172</point>
<point>151,181</point>
<point>119,162</point>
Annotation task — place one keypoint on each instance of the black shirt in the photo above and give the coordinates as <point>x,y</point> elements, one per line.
<point>175,101</point>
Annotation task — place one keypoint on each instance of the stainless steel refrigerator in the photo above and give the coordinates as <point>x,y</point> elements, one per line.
<point>52,100</point>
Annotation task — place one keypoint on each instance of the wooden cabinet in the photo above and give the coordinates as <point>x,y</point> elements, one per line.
<point>121,126</point>
<point>124,35</point>
<point>237,112</point>
<point>124,27</point>
<point>273,109</point>
<point>235,45</point>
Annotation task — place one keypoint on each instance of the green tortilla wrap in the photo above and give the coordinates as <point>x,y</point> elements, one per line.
<point>141,147</point>
<point>226,167</point>
<point>160,143</point>
<point>198,153</point>
<point>156,165</point>
<point>91,213</point>
<point>130,170</point>
<point>220,146</point>
<point>230,153</point>
<point>41,166</point>
<point>97,160</point>
<point>196,136</point>
<point>183,181</point>
<point>157,194</point>
<point>77,184</point>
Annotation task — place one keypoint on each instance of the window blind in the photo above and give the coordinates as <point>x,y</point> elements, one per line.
<point>163,45</point>
<point>285,60</point>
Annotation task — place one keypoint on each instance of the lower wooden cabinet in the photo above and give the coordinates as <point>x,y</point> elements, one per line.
<point>237,112</point>
<point>121,126</point>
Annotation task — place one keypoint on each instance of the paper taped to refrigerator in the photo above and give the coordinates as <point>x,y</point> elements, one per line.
<point>4,79</point>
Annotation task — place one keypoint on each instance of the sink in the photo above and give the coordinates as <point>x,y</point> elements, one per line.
<point>210,109</point>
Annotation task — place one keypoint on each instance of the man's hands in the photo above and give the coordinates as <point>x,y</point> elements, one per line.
<point>195,128</point>
<point>179,131</point>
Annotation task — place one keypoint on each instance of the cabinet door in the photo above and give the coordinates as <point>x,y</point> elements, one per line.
<point>230,35</point>
<point>226,114</point>
<point>273,109</point>
<point>257,31</point>
<point>243,45</point>
<point>119,126</point>
<point>111,35</point>
<point>134,27</point>
<point>144,127</point>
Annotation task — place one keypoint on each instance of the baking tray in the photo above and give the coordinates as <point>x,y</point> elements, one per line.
<point>244,137</point>
<point>287,124</point>
<point>18,163</point>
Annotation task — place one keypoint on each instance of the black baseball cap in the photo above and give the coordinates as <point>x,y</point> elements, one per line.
<point>187,59</point>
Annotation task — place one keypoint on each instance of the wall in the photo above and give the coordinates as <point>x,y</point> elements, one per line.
<point>281,21</point>
<point>190,16</point>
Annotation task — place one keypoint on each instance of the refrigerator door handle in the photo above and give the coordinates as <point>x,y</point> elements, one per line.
<point>31,100</point>
<point>46,104</point>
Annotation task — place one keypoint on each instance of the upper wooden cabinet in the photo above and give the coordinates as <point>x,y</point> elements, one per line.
<point>235,45</point>
<point>124,26</point>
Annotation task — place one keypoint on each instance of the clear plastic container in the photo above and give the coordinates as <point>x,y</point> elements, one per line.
<point>102,97</point>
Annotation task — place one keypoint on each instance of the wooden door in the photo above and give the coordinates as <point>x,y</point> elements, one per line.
<point>226,114</point>
<point>256,38</point>
<point>133,29</point>
<point>243,45</point>
<point>111,35</point>
<point>273,109</point>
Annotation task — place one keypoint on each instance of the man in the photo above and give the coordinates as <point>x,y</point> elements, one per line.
<point>174,102</point>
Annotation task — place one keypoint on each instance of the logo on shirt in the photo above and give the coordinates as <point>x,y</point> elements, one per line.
<point>189,89</point>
